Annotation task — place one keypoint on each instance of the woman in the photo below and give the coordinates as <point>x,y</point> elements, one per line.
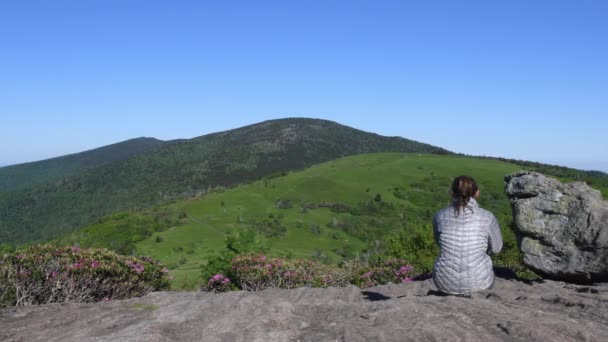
<point>466,235</point>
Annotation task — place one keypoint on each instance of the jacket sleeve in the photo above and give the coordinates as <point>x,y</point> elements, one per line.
<point>435,230</point>
<point>495,238</point>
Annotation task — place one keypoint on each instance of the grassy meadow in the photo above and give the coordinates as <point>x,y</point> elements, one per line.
<point>343,209</point>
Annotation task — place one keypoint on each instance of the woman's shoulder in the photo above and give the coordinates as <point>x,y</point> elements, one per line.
<point>441,213</point>
<point>485,213</point>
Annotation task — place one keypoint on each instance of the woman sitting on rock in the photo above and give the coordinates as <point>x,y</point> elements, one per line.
<point>466,235</point>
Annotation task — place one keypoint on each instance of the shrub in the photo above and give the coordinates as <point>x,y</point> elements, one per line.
<point>218,283</point>
<point>5,248</point>
<point>270,228</point>
<point>521,271</point>
<point>47,274</point>
<point>245,241</point>
<point>255,272</point>
<point>384,271</point>
<point>315,229</point>
<point>339,208</point>
<point>414,243</point>
<point>283,204</point>
<point>217,264</point>
<point>400,193</point>
<point>373,208</point>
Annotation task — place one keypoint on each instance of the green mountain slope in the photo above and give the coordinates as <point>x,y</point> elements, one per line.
<point>184,168</point>
<point>28,174</point>
<point>339,209</point>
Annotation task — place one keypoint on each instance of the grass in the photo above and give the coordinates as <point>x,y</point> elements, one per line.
<point>145,307</point>
<point>349,180</point>
<point>413,187</point>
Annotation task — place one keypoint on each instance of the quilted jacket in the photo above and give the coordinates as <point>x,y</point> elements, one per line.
<point>466,242</point>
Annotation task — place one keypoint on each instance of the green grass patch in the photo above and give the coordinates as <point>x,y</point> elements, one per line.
<point>344,209</point>
<point>145,307</point>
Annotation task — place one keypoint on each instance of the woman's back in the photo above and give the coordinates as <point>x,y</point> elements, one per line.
<point>466,235</point>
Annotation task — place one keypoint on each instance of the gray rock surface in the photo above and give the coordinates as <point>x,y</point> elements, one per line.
<point>563,228</point>
<point>512,311</point>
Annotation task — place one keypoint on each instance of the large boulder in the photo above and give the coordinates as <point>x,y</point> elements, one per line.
<point>562,228</point>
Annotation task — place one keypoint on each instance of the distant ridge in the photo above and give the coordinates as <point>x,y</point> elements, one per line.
<point>38,204</point>
<point>555,170</point>
<point>27,174</point>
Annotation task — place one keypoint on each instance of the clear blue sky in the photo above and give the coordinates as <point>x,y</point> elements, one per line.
<point>519,79</point>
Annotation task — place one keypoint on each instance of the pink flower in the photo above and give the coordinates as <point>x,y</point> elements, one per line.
<point>225,281</point>
<point>75,249</point>
<point>94,264</point>
<point>366,275</point>
<point>405,269</point>
<point>137,267</point>
<point>217,277</point>
<point>77,265</point>
<point>164,270</point>
<point>406,280</point>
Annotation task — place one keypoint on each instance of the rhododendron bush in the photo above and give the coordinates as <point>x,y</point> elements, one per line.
<point>255,272</point>
<point>384,271</point>
<point>47,274</point>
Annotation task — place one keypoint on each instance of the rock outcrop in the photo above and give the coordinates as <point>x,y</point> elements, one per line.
<point>512,311</point>
<point>563,228</point>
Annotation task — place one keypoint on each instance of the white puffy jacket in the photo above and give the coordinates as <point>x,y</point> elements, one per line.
<point>465,242</point>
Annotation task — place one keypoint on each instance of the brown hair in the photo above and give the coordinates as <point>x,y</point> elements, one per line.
<point>463,188</point>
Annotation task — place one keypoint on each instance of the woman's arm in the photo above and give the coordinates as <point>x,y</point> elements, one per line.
<point>495,238</point>
<point>435,230</point>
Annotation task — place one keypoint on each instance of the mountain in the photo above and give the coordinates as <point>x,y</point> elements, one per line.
<point>591,177</point>
<point>25,175</point>
<point>182,168</point>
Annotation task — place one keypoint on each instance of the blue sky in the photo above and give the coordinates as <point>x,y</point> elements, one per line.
<point>518,79</point>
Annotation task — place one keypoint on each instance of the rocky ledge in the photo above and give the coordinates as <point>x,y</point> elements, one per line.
<point>512,311</point>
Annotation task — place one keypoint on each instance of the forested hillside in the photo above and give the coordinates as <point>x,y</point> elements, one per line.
<point>25,175</point>
<point>184,168</point>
